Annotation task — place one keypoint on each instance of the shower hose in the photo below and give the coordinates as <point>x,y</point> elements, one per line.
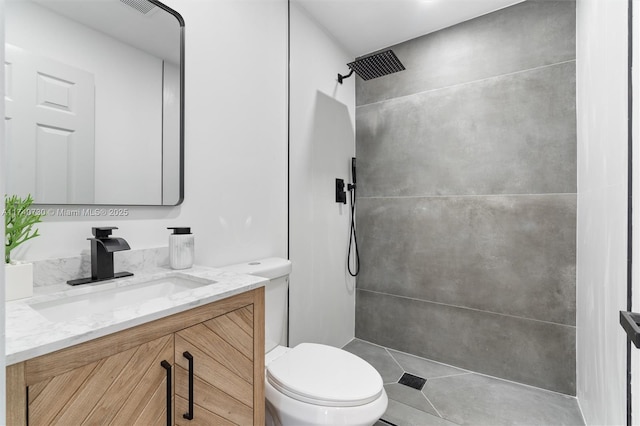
<point>353,242</point>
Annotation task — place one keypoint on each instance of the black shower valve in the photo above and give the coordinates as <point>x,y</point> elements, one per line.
<point>341,195</point>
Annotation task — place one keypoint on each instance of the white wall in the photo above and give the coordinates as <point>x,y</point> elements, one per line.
<point>322,126</point>
<point>128,125</point>
<point>235,143</point>
<point>2,191</point>
<point>602,204</point>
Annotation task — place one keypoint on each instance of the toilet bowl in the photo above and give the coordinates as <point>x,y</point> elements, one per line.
<point>315,384</point>
<point>310,384</point>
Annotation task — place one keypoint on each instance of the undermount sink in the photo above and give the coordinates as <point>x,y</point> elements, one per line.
<point>108,300</point>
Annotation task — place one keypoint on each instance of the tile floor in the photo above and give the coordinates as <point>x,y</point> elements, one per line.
<point>452,396</point>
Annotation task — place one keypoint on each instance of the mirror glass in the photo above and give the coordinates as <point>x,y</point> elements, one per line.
<point>94,101</point>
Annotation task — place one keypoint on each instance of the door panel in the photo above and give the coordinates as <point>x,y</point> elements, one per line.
<point>125,388</point>
<point>222,351</point>
<point>50,112</point>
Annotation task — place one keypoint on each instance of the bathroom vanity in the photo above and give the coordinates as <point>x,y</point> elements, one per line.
<point>192,356</point>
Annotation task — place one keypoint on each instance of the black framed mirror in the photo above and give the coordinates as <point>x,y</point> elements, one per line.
<point>95,102</point>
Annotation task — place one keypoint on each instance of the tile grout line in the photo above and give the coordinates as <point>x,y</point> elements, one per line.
<point>467,83</point>
<point>467,372</point>
<point>393,358</point>
<point>470,372</point>
<point>375,197</point>
<point>432,406</point>
<point>421,393</point>
<point>451,375</point>
<point>463,372</point>
<point>526,385</point>
<point>584,420</point>
<point>467,308</point>
<point>416,356</point>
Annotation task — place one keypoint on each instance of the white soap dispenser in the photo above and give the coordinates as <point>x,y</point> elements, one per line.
<point>181,248</point>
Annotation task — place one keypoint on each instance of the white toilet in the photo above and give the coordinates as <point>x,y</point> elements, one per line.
<point>310,384</point>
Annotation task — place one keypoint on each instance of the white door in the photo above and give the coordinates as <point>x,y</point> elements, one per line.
<point>50,129</point>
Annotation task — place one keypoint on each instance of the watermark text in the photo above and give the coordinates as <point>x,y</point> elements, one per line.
<point>77,212</point>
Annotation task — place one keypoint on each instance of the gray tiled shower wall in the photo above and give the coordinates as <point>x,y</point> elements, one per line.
<point>467,197</point>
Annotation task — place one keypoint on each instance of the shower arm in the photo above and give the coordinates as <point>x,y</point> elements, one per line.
<point>342,77</point>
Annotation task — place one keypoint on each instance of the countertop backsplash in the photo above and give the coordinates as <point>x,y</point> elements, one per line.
<point>49,272</point>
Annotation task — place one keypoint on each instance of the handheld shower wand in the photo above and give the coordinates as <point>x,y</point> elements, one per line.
<point>353,175</point>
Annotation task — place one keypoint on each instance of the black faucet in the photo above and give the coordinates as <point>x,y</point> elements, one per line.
<point>102,248</point>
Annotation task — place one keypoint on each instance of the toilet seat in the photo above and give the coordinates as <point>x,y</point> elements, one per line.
<point>324,375</point>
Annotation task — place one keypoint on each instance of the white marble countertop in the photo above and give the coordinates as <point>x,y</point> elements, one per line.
<point>30,334</point>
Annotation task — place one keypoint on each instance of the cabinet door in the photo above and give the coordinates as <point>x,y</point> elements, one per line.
<point>129,388</point>
<point>222,370</point>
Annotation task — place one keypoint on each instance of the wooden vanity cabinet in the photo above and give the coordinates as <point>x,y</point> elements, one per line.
<point>199,367</point>
<point>129,387</point>
<point>216,356</point>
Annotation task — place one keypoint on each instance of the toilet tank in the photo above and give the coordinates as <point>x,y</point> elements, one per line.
<point>277,270</point>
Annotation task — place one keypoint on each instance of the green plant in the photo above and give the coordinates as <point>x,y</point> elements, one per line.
<point>18,223</point>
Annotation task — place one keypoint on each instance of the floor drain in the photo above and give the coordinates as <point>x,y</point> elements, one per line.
<point>412,381</point>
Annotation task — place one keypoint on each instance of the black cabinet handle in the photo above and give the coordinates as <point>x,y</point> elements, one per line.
<point>167,367</point>
<point>189,415</point>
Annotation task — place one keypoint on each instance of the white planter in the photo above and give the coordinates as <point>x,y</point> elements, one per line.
<point>18,281</point>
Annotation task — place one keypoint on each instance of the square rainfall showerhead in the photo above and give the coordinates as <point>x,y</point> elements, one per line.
<point>142,6</point>
<point>377,65</point>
